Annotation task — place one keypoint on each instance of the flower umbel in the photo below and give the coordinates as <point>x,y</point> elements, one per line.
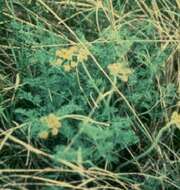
<point>53,123</point>
<point>72,56</point>
<point>43,135</point>
<point>82,55</point>
<point>120,70</point>
<point>64,53</point>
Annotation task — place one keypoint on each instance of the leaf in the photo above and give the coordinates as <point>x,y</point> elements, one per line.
<point>69,108</point>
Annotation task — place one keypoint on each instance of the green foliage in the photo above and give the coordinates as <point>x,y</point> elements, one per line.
<point>97,143</point>
<point>99,126</point>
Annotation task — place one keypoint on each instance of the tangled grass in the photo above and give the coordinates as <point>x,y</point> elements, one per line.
<point>89,94</point>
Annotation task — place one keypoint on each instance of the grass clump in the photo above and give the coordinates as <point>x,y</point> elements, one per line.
<point>89,94</point>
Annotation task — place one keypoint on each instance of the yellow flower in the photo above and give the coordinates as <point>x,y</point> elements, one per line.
<point>64,53</point>
<point>59,53</point>
<point>67,67</point>
<point>43,135</point>
<point>58,62</point>
<point>67,53</point>
<point>120,70</point>
<point>53,121</point>
<point>73,64</point>
<point>175,118</point>
<point>54,131</point>
<point>73,49</point>
<point>113,68</point>
<point>83,55</point>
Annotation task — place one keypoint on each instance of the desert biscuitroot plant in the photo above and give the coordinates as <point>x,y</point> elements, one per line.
<point>89,94</point>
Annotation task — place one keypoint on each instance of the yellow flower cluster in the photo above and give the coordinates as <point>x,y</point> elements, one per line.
<point>53,124</point>
<point>82,55</point>
<point>175,118</point>
<point>67,54</point>
<point>120,70</point>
